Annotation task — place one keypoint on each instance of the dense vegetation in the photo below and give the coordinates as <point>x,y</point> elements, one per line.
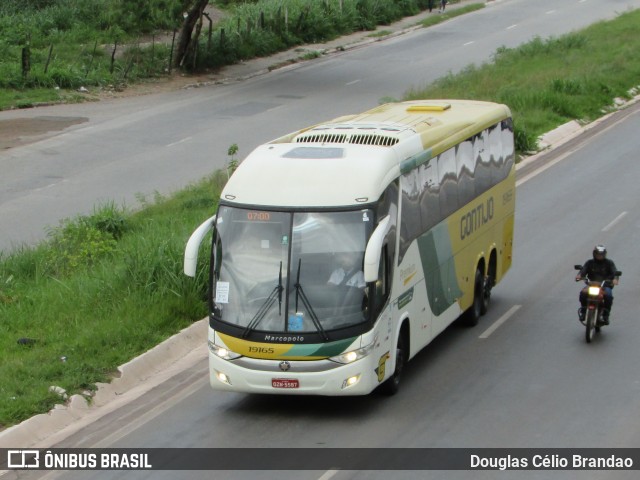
<point>106,287</point>
<point>68,44</point>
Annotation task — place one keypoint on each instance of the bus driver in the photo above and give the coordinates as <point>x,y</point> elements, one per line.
<point>348,272</point>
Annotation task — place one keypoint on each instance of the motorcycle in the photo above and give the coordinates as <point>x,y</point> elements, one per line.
<point>593,317</point>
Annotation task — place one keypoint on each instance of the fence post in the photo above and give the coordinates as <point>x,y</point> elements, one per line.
<point>46,65</point>
<point>113,56</point>
<point>95,47</point>
<point>210,31</point>
<point>173,43</point>
<point>26,59</point>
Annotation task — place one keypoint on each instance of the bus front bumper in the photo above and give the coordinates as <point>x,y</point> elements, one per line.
<point>320,377</point>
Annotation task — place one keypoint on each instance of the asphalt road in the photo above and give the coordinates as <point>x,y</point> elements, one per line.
<point>160,143</point>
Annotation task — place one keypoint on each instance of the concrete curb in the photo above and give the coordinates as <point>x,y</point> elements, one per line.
<point>132,374</point>
<point>570,130</point>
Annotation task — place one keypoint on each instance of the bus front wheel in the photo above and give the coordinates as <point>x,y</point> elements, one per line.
<point>392,384</point>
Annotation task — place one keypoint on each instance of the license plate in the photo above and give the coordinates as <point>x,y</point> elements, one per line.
<point>285,383</point>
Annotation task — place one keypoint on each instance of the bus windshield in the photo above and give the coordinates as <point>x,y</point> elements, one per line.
<point>290,272</point>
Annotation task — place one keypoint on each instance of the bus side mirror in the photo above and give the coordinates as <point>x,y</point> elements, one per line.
<point>193,246</point>
<point>374,250</point>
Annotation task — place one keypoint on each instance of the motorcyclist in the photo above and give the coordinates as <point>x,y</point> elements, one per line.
<point>598,269</point>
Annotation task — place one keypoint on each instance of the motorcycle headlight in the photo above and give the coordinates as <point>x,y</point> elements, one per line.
<point>222,352</point>
<point>594,291</point>
<point>353,355</point>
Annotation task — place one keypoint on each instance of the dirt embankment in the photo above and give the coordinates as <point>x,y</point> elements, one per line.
<point>18,131</point>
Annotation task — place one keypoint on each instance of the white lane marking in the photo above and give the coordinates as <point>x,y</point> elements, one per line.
<point>578,147</point>
<point>180,141</point>
<point>328,474</point>
<point>512,26</point>
<point>615,220</point>
<point>544,167</point>
<point>353,82</point>
<point>500,321</point>
<point>468,43</point>
<point>550,12</point>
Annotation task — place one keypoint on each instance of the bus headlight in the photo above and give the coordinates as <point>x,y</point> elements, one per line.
<point>351,381</point>
<point>222,352</point>
<point>223,378</point>
<point>353,355</point>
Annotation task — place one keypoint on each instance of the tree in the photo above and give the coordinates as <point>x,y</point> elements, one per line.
<point>187,40</point>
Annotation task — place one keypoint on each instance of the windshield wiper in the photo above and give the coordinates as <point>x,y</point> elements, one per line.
<point>300,293</point>
<point>266,306</point>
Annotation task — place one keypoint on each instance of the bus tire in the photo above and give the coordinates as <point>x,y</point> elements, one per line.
<point>486,295</point>
<point>392,385</point>
<point>489,282</point>
<point>472,316</point>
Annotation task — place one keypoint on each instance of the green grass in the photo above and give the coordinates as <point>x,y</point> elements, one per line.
<point>549,82</point>
<point>448,14</point>
<point>103,289</point>
<point>69,44</point>
<point>106,287</point>
<point>37,97</point>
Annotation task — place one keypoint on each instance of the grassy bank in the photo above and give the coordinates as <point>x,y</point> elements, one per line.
<point>109,286</point>
<point>51,49</point>
<point>549,82</point>
<point>102,290</point>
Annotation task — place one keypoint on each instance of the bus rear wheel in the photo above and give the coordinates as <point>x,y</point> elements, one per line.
<point>489,282</point>
<point>472,316</point>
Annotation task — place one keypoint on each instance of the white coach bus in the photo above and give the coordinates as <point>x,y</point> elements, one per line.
<point>341,250</point>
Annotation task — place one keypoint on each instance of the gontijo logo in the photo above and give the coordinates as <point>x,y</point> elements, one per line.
<point>476,218</point>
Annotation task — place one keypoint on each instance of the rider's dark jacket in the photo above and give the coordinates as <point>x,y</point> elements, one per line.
<point>599,270</point>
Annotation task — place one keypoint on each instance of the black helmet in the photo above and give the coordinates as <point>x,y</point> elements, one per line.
<point>600,250</point>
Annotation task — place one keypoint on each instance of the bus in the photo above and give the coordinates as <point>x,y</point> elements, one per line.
<point>343,249</point>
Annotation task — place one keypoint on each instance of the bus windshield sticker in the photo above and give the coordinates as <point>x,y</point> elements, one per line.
<point>295,322</point>
<point>222,292</point>
<point>365,217</point>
